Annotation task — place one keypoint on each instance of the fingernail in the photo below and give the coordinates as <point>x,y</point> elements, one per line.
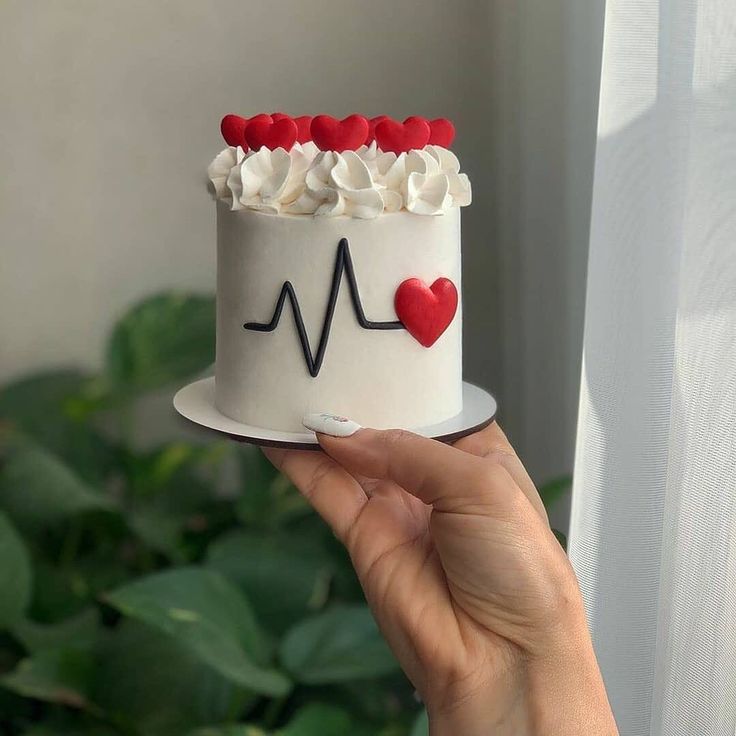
<point>331,424</point>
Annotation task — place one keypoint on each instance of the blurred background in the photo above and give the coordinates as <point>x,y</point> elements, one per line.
<point>115,516</point>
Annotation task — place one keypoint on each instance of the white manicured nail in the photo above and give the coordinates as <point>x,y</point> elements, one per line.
<point>331,424</point>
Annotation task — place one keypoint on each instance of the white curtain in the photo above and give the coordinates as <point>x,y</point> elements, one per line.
<point>653,528</point>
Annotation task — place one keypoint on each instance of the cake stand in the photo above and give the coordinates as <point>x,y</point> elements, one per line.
<point>196,402</point>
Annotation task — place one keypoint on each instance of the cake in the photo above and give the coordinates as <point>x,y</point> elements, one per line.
<point>338,270</point>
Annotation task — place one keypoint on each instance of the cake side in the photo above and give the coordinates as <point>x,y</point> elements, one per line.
<point>377,373</point>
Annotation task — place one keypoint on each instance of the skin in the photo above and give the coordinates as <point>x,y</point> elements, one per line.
<point>468,584</point>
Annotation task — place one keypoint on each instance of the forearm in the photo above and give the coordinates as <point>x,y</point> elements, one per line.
<point>561,693</point>
<point>568,696</point>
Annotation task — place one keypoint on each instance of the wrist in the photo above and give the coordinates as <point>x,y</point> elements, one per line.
<point>500,709</point>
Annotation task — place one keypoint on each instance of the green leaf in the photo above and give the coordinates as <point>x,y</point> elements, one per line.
<point>15,710</point>
<point>173,492</point>
<point>57,676</point>
<point>378,699</point>
<point>82,631</point>
<point>257,476</point>
<point>41,406</point>
<point>163,339</point>
<point>15,574</point>
<point>555,489</point>
<point>268,498</point>
<point>157,686</point>
<point>38,489</point>
<point>340,644</point>
<point>317,719</point>
<point>164,467</point>
<point>235,730</point>
<point>284,575</point>
<point>63,727</point>
<point>159,530</point>
<point>58,593</point>
<point>63,592</point>
<point>204,611</point>
<point>421,725</point>
<point>390,729</point>
<point>31,402</point>
<point>561,538</point>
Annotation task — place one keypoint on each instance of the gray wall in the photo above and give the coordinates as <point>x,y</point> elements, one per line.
<point>110,115</point>
<point>546,63</point>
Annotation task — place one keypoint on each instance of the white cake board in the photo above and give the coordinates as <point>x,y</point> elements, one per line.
<point>196,402</point>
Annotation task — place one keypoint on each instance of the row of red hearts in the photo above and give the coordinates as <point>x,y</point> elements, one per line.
<point>279,130</point>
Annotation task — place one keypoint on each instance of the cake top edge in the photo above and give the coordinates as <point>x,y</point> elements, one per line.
<point>326,167</point>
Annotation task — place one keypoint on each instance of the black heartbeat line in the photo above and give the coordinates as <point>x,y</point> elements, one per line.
<point>343,262</point>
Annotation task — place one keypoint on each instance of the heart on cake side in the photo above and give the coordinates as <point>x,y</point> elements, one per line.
<point>426,311</point>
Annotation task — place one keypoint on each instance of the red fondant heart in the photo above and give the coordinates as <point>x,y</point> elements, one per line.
<point>271,133</point>
<point>331,134</point>
<point>442,132</point>
<point>372,127</point>
<point>426,311</point>
<point>303,125</point>
<point>399,137</point>
<point>232,128</point>
<point>262,116</point>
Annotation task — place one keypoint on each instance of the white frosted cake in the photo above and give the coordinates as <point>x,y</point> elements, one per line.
<point>338,271</point>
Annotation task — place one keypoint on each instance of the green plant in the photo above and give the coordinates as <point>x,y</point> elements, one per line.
<point>551,492</point>
<point>170,587</point>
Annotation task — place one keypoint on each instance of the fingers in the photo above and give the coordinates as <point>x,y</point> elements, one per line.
<point>437,474</point>
<point>333,493</point>
<point>491,444</point>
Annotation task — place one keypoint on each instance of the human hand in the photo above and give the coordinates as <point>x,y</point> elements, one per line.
<point>466,580</point>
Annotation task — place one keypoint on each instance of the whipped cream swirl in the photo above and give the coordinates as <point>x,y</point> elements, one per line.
<point>362,183</point>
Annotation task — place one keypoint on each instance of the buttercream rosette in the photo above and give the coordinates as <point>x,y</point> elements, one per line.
<point>364,183</point>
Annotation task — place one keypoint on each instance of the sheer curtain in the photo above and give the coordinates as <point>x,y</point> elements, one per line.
<point>653,528</point>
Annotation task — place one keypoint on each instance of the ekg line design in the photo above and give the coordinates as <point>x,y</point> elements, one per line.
<point>343,263</point>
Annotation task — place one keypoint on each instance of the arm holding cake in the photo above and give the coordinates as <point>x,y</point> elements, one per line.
<point>467,582</point>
